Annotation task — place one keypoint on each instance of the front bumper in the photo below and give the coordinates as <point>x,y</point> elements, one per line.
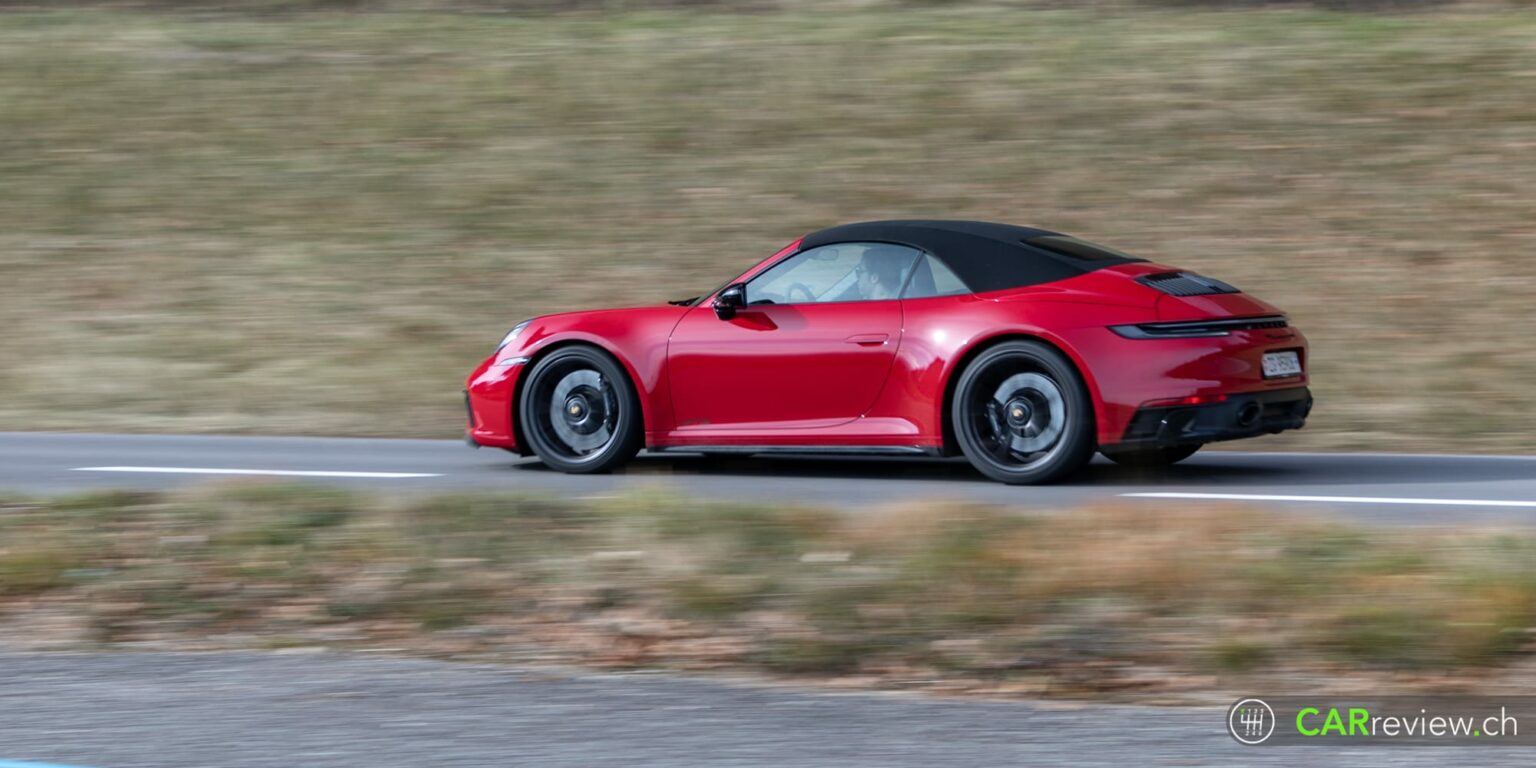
<point>488,401</point>
<point>1240,415</point>
<point>469,429</point>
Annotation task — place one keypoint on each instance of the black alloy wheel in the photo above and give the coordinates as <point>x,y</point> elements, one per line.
<point>1022,414</point>
<point>579,411</point>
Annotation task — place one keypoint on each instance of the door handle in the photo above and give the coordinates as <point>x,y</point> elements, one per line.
<point>868,339</point>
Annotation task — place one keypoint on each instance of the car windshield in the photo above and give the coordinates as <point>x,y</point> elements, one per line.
<point>704,295</point>
<point>689,302</point>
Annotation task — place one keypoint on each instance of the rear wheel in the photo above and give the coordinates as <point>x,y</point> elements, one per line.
<point>580,412</point>
<point>1022,414</point>
<point>1147,458</point>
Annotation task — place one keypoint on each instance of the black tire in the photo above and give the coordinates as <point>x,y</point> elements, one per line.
<point>1022,415</point>
<point>1150,458</point>
<point>596,425</point>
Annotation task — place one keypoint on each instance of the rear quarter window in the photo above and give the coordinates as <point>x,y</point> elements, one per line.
<point>932,278</point>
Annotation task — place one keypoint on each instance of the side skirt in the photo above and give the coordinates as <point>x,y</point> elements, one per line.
<point>802,450</point>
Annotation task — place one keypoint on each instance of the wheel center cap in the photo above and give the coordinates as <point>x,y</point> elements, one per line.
<point>576,407</point>
<point>1019,412</point>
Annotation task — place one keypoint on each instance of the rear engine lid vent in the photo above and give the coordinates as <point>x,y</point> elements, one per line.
<point>1186,284</point>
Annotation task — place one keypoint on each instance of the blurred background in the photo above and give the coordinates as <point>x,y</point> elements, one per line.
<point>316,217</point>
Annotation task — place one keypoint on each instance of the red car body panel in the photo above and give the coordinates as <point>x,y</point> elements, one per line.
<point>770,366</point>
<point>637,337</point>
<point>488,396</point>
<point>876,373</point>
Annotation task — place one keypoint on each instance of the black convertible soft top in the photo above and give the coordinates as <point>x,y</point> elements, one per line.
<point>984,255</point>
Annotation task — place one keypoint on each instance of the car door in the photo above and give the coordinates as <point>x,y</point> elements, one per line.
<point>812,347</point>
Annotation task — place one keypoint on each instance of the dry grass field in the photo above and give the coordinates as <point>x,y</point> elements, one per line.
<point>1104,601</point>
<point>317,223</point>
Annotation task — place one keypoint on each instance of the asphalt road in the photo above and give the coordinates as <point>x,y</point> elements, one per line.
<point>146,710</point>
<point>1389,488</point>
<point>126,710</point>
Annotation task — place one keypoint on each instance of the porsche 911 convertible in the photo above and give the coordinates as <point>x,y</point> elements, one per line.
<point>1023,349</point>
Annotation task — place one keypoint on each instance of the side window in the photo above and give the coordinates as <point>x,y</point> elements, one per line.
<point>933,278</point>
<point>841,272</point>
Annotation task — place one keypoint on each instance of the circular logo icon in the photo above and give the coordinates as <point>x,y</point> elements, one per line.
<point>1251,721</point>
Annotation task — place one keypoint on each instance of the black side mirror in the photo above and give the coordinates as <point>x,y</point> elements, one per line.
<point>729,300</point>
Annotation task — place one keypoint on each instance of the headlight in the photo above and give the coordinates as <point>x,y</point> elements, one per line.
<point>512,335</point>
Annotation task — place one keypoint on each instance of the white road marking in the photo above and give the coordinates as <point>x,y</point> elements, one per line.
<point>1336,499</point>
<point>264,472</point>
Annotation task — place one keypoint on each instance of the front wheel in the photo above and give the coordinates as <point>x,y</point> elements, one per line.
<point>1022,414</point>
<point>580,412</point>
<point>1150,458</point>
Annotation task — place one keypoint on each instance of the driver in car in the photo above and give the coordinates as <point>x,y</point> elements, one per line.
<point>880,272</point>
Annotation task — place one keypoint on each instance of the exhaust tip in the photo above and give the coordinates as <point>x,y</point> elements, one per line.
<point>1249,415</point>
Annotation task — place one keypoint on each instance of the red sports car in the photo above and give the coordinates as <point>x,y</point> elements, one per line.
<point>1024,349</point>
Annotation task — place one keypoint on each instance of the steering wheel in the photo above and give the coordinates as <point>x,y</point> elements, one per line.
<point>789,293</point>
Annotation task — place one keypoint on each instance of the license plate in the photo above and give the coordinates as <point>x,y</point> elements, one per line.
<point>1278,365</point>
